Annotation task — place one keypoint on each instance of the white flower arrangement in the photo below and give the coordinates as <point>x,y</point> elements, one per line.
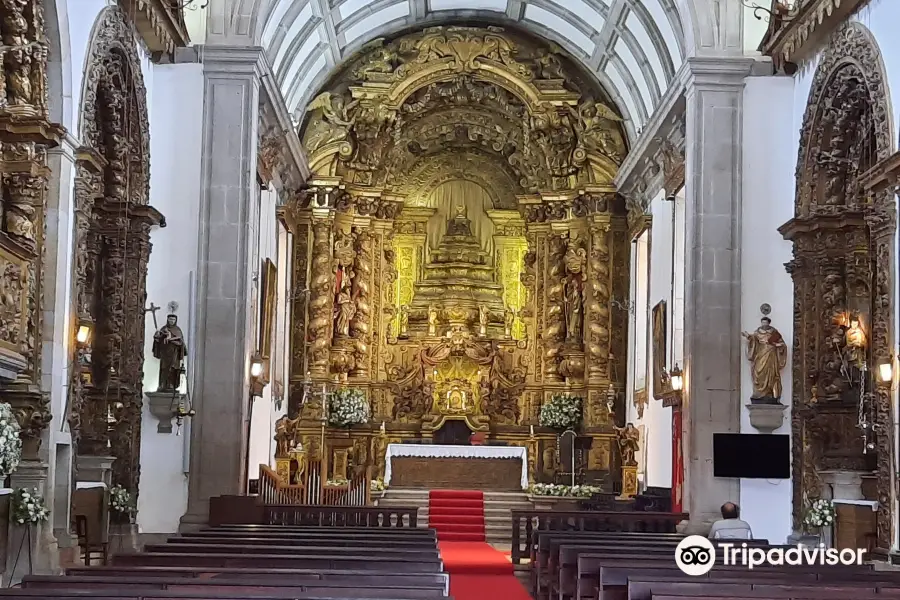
<point>561,412</point>
<point>376,485</point>
<point>563,491</point>
<point>10,441</point>
<point>120,500</point>
<point>820,514</point>
<point>348,406</point>
<point>28,507</point>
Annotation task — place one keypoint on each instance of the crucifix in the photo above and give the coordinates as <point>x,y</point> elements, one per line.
<point>152,310</point>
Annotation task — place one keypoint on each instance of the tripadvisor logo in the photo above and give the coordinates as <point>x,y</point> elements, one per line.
<point>696,555</point>
<point>732,554</point>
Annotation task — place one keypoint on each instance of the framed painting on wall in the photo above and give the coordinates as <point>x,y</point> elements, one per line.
<point>268,290</point>
<point>658,347</point>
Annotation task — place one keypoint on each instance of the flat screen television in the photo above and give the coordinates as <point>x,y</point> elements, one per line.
<point>752,455</point>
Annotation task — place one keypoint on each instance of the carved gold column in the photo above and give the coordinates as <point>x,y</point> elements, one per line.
<point>363,282</point>
<point>321,297</point>
<point>553,329</point>
<point>534,282</point>
<point>597,296</point>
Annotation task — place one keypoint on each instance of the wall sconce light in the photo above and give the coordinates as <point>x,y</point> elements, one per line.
<point>83,333</point>
<point>886,372</point>
<point>256,366</point>
<point>675,376</point>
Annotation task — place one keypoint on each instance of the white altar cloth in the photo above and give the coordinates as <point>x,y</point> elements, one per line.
<point>441,451</point>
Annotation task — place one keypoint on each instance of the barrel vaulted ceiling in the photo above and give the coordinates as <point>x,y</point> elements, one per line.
<point>634,47</point>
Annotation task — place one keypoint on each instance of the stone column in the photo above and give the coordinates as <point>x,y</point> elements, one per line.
<point>712,327</point>
<point>222,340</point>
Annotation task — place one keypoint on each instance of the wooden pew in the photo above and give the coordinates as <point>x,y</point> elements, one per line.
<point>646,587</point>
<point>270,548</point>
<point>263,575</point>
<point>35,594</point>
<point>342,541</point>
<point>609,575</point>
<point>526,522</point>
<point>284,529</point>
<point>548,541</point>
<point>270,589</point>
<point>280,561</point>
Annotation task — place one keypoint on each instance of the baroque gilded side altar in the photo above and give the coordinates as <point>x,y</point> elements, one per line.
<point>460,254</point>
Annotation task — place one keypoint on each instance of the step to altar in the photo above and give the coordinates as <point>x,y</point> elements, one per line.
<point>498,507</point>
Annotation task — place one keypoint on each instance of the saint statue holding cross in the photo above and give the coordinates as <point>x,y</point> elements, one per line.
<point>170,348</point>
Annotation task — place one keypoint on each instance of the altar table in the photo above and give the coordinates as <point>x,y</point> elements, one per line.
<point>445,462</point>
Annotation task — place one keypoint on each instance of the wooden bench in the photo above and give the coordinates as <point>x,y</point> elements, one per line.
<point>275,561</point>
<point>35,594</point>
<point>263,575</point>
<point>645,588</point>
<point>271,548</point>
<point>272,588</point>
<point>607,576</point>
<point>526,522</point>
<point>342,541</point>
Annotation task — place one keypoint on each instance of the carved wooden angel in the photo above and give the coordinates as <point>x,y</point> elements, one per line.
<point>628,439</point>
<point>338,118</point>
<point>594,123</point>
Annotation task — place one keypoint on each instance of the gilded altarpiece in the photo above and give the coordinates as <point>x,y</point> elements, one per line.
<point>464,247</point>
<point>843,272</point>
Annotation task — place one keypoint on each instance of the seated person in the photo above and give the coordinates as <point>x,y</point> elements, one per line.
<point>730,526</point>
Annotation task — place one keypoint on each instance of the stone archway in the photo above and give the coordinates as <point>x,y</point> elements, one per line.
<point>112,248</point>
<point>842,269</point>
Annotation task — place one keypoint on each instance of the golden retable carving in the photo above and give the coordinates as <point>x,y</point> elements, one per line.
<point>463,242</point>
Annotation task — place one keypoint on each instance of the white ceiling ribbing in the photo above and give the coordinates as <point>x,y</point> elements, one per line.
<point>637,52</point>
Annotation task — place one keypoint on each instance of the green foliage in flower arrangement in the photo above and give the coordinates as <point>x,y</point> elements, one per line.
<point>562,412</point>
<point>563,491</point>
<point>27,507</point>
<point>348,406</point>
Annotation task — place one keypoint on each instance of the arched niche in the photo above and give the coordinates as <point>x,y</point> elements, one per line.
<point>112,248</point>
<point>843,269</point>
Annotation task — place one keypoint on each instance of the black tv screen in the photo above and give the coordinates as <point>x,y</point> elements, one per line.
<point>751,455</point>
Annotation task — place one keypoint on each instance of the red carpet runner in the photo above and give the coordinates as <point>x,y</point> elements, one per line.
<point>477,571</point>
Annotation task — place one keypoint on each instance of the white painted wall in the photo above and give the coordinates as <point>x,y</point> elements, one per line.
<point>769,160</point>
<point>655,458</point>
<point>175,191</point>
<point>262,422</point>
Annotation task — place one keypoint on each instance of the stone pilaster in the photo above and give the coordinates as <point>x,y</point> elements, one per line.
<point>712,327</point>
<point>223,340</point>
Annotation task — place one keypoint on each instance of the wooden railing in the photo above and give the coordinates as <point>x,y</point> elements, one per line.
<point>526,522</point>
<point>342,516</point>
